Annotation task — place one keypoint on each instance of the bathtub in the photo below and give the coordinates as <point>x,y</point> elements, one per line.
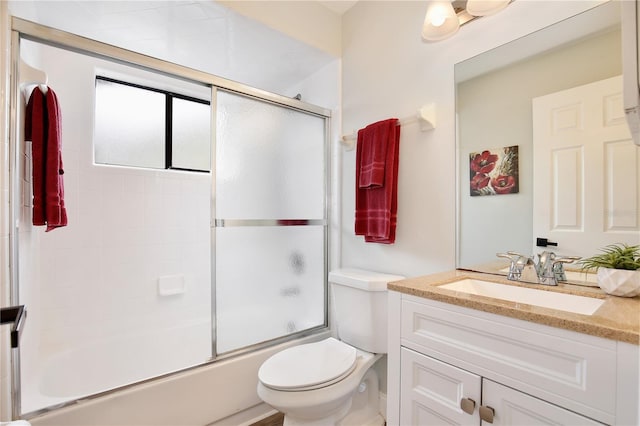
<point>197,396</point>
<point>102,365</point>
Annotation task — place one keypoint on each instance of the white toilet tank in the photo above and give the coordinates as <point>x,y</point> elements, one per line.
<point>360,307</point>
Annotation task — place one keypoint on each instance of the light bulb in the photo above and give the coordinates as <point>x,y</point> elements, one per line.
<point>486,7</point>
<point>438,20</point>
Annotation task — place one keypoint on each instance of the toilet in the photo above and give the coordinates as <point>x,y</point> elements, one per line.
<point>332,382</point>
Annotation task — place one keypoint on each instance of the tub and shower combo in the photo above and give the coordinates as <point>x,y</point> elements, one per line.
<point>198,260</point>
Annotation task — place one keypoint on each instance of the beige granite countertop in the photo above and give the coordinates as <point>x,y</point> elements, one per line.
<point>617,319</point>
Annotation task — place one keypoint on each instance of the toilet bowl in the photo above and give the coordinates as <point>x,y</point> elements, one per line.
<point>332,382</point>
<point>309,395</point>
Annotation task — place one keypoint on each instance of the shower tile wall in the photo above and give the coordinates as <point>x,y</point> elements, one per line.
<point>102,271</point>
<point>97,279</point>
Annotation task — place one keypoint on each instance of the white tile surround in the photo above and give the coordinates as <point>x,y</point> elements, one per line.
<point>116,254</point>
<point>315,77</point>
<point>98,277</point>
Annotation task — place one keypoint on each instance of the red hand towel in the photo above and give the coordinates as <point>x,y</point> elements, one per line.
<point>373,155</point>
<point>376,207</point>
<point>43,128</point>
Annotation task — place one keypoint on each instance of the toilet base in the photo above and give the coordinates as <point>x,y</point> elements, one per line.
<point>378,420</point>
<point>330,420</point>
<point>365,404</point>
<point>362,409</point>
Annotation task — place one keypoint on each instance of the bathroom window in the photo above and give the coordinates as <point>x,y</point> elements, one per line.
<point>140,126</point>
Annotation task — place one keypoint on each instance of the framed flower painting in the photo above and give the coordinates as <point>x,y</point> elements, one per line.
<point>494,171</point>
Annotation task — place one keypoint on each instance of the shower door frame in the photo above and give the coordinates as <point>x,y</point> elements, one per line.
<point>28,30</point>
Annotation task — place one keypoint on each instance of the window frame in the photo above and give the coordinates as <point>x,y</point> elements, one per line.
<point>168,120</point>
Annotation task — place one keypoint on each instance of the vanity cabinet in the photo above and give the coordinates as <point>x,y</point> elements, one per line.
<point>436,393</point>
<point>441,354</point>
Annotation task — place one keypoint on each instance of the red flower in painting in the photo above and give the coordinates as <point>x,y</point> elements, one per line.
<point>503,184</point>
<point>483,163</point>
<point>479,181</point>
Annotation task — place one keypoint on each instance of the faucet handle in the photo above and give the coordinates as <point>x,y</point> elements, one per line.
<point>514,272</point>
<point>558,268</point>
<point>511,255</point>
<point>568,259</point>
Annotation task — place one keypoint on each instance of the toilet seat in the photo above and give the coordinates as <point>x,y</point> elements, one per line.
<point>309,366</point>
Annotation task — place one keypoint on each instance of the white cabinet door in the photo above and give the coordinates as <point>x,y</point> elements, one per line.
<point>518,409</point>
<point>431,391</point>
<point>590,194</point>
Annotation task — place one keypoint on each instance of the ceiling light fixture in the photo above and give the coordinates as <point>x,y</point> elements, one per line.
<point>485,7</point>
<point>440,21</point>
<point>444,17</point>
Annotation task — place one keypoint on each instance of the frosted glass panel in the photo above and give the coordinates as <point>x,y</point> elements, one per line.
<point>129,126</point>
<point>269,283</point>
<point>123,293</point>
<point>191,129</point>
<point>273,156</point>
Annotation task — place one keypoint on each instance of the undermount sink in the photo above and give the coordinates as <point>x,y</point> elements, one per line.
<point>530,296</point>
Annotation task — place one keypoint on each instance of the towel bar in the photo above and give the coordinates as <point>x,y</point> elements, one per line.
<point>426,117</point>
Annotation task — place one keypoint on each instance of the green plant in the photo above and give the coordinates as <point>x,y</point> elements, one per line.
<point>615,256</point>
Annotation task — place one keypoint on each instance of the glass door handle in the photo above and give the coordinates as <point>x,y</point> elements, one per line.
<point>14,315</point>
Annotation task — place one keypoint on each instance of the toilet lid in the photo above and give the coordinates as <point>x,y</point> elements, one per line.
<point>308,365</point>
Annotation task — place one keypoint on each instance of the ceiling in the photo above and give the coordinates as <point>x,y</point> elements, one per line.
<point>338,6</point>
<point>200,34</point>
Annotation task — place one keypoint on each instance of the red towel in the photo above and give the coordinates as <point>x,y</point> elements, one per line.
<point>43,128</point>
<point>373,155</point>
<point>377,206</point>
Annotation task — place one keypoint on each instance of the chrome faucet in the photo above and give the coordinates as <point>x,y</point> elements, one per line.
<point>521,268</point>
<point>545,268</point>
<point>548,270</point>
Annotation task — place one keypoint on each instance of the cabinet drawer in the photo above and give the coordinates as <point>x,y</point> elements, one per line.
<point>563,367</point>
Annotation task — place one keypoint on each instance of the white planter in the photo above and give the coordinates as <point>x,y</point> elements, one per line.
<point>619,282</point>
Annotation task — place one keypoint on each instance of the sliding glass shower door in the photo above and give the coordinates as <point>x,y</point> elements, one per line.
<point>270,221</point>
<point>124,293</point>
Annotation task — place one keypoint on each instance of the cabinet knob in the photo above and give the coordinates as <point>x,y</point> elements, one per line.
<point>467,405</point>
<point>487,413</point>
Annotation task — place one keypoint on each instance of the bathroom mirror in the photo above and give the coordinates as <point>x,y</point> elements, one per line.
<point>494,93</point>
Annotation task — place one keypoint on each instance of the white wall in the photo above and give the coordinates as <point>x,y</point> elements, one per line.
<point>388,71</point>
